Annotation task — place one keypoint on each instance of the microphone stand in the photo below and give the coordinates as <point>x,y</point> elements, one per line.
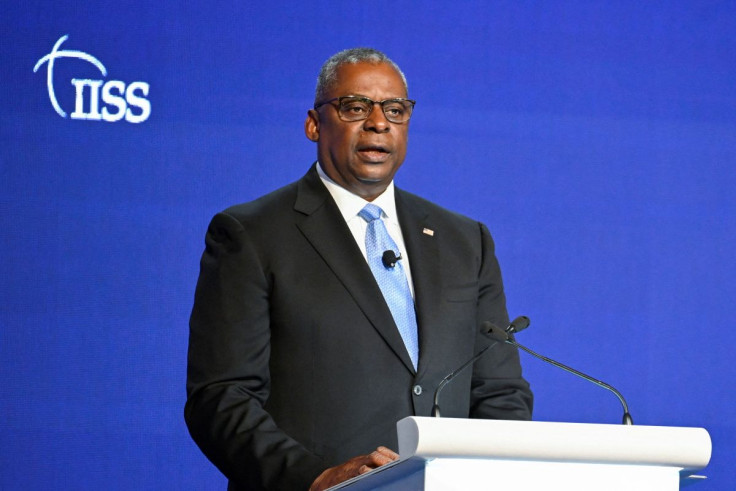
<point>627,420</point>
<point>436,405</point>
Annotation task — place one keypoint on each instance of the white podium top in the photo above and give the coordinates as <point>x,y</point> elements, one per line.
<point>684,448</point>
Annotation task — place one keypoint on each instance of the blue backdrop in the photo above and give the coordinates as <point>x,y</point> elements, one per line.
<point>595,139</point>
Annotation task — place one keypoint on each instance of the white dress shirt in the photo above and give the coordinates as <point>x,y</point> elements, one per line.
<point>351,204</point>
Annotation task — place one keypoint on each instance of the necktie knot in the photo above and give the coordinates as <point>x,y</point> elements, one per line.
<point>370,212</point>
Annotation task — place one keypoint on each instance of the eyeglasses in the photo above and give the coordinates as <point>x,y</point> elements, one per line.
<point>357,108</point>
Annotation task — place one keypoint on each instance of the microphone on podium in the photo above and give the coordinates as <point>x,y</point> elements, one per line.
<point>504,336</point>
<point>518,324</point>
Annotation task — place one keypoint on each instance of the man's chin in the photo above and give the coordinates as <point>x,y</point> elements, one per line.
<point>370,180</point>
<point>376,172</point>
<point>370,188</point>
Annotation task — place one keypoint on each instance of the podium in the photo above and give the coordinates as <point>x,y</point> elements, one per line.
<point>444,454</point>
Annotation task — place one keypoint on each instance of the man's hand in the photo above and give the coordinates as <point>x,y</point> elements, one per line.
<point>353,467</point>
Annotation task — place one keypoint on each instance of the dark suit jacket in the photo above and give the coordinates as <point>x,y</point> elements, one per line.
<point>295,363</point>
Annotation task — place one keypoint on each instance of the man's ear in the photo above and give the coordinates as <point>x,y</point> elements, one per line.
<point>311,125</point>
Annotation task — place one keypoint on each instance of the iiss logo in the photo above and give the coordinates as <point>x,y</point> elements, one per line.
<point>120,100</point>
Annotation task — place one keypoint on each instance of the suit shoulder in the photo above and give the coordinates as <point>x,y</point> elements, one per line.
<point>266,207</point>
<point>434,210</point>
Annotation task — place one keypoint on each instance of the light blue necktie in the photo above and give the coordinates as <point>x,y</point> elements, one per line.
<point>392,281</point>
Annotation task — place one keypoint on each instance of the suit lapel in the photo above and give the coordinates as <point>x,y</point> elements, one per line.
<point>326,230</point>
<point>421,245</point>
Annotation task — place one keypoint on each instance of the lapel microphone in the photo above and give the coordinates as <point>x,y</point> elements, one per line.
<point>390,258</point>
<point>504,336</point>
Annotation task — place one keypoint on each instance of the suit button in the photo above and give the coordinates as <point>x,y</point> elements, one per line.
<point>417,390</point>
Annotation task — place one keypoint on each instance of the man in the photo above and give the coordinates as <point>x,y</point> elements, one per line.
<point>300,361</point>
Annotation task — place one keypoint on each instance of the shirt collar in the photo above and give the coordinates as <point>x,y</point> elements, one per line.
<point>350,204</point>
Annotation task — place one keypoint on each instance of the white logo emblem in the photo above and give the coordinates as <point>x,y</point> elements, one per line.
<point>120,101</point>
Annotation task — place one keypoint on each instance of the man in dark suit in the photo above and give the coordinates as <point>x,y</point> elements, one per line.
<point>297,370</point>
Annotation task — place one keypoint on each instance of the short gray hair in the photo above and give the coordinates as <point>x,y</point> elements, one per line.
<point>328,73</point>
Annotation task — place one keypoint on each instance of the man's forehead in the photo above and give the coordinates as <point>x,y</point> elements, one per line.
<point>366,75</point>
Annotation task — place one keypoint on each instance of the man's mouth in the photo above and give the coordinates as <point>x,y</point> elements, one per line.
<point>373,153</point>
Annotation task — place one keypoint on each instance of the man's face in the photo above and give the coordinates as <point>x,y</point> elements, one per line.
<point>361,156</point>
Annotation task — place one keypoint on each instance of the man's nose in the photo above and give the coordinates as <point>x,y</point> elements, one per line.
<point>376,120</point>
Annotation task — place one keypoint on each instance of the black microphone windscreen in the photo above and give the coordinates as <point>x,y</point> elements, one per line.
<point>519,324</point>
<point>495,332</point>
<point>389,258</point>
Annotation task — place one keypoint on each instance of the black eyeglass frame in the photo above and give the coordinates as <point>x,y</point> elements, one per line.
<point>371,104</point>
